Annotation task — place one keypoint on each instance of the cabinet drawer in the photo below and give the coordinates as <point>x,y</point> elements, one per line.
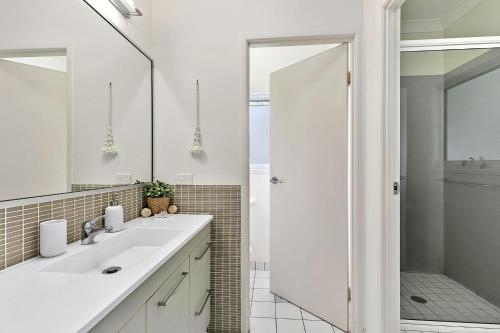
<point>167,311</point>
<point>200,286</point>
<point>137,324</point>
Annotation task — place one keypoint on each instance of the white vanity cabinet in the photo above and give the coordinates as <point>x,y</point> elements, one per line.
<point>175,299</point>
<point>200,287</point>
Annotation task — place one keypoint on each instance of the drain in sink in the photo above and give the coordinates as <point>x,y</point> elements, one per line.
<point>112,270</point>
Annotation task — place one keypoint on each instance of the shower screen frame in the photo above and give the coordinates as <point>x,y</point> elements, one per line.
<point>392,133</point>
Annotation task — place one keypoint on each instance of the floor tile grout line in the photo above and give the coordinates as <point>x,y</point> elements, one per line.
<point>275,316</point>
<point>303,323</point>
<point>253,289</point>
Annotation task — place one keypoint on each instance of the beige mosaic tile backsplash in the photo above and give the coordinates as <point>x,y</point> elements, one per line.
<point>224,203</point>
<point>19,225</point>
<point>88,187</point>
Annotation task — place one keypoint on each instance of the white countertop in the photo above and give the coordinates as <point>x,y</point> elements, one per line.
<point>32,300</point>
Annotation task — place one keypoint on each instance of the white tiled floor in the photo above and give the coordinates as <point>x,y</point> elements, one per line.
<point>446,301</point>
<point>272,314</point>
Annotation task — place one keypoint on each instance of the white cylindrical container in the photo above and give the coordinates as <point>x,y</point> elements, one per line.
<point>53,237</point>
<point>113,217</point>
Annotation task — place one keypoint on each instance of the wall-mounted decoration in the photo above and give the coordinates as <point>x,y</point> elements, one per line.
<point>110,149</point>
<point>197,148</point>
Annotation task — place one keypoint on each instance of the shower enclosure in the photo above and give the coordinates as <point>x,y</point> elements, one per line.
<point>450,180</point>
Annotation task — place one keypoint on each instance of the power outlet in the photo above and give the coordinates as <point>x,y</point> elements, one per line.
<point>123,178</point>
<point>184,179</point>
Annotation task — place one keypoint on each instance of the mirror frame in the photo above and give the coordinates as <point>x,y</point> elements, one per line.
<point>150,59</point>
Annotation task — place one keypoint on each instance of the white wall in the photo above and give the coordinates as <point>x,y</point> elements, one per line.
<point>33,127</point>
<point>137,28</point>
<point>373,289</point>
<point>472,231</point>
<point>259,213</point>
<point>204,40</point>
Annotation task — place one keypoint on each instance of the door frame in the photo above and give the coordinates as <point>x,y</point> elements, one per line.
<point>391,319</point>
<point>356,308</point>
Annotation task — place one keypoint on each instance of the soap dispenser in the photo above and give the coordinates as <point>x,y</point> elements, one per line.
<point>114,215</point>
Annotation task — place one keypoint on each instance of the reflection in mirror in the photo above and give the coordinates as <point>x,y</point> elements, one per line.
<point>33,123</point>
<point>70,84</point>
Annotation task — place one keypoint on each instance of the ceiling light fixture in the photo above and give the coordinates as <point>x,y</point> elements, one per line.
<point>126,7</point>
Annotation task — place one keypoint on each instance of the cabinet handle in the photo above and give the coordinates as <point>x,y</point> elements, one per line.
<point>209,293</point>
<point>169,297</point>
<point>209,245</point>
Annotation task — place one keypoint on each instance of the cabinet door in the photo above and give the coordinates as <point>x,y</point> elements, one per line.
<point>137,324</point>
<point>200,287</point>
<point>167,311</point>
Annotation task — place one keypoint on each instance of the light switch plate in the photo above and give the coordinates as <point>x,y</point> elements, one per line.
<point>123,178</point>
<point>184,179</point>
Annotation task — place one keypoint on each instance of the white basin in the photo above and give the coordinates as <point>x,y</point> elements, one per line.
<point>125,250</point>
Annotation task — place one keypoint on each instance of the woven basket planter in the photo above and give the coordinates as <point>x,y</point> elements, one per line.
<point>158,205</point>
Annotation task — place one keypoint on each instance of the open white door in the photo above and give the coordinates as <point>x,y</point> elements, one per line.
<point>309,192</point>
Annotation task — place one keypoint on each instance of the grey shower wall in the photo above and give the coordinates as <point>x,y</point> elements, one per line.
<point>472,237</point>
<point>422,155</point>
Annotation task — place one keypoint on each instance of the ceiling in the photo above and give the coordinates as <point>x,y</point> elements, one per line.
<point>433,15</point>
<point>427,9</point>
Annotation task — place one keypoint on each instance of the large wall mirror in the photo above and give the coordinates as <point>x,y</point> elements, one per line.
<point>75,101</point>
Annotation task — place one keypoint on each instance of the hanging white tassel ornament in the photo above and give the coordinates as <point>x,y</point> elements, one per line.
<point>110,148</point>
<point>197,148</point>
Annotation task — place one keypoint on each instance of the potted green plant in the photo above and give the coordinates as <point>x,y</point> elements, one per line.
<point>158,196</point>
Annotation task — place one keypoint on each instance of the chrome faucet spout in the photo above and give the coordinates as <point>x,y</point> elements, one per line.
<point>90,231</point>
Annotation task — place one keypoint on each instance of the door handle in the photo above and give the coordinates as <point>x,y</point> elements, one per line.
<point>275,180</point>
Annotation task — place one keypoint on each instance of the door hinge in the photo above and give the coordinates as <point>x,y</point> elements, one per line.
<point>349,78</point>
<point>396,188</point>
<point>349,297</point>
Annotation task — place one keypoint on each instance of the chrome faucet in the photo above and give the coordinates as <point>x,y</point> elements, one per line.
<point>90,231</point>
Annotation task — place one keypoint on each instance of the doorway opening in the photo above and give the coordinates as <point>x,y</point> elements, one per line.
<point>300,215</point>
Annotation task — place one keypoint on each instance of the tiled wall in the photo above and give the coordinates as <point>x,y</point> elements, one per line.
<point>224,203</point>
<point>19,225</point>
<point>88,187</point>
